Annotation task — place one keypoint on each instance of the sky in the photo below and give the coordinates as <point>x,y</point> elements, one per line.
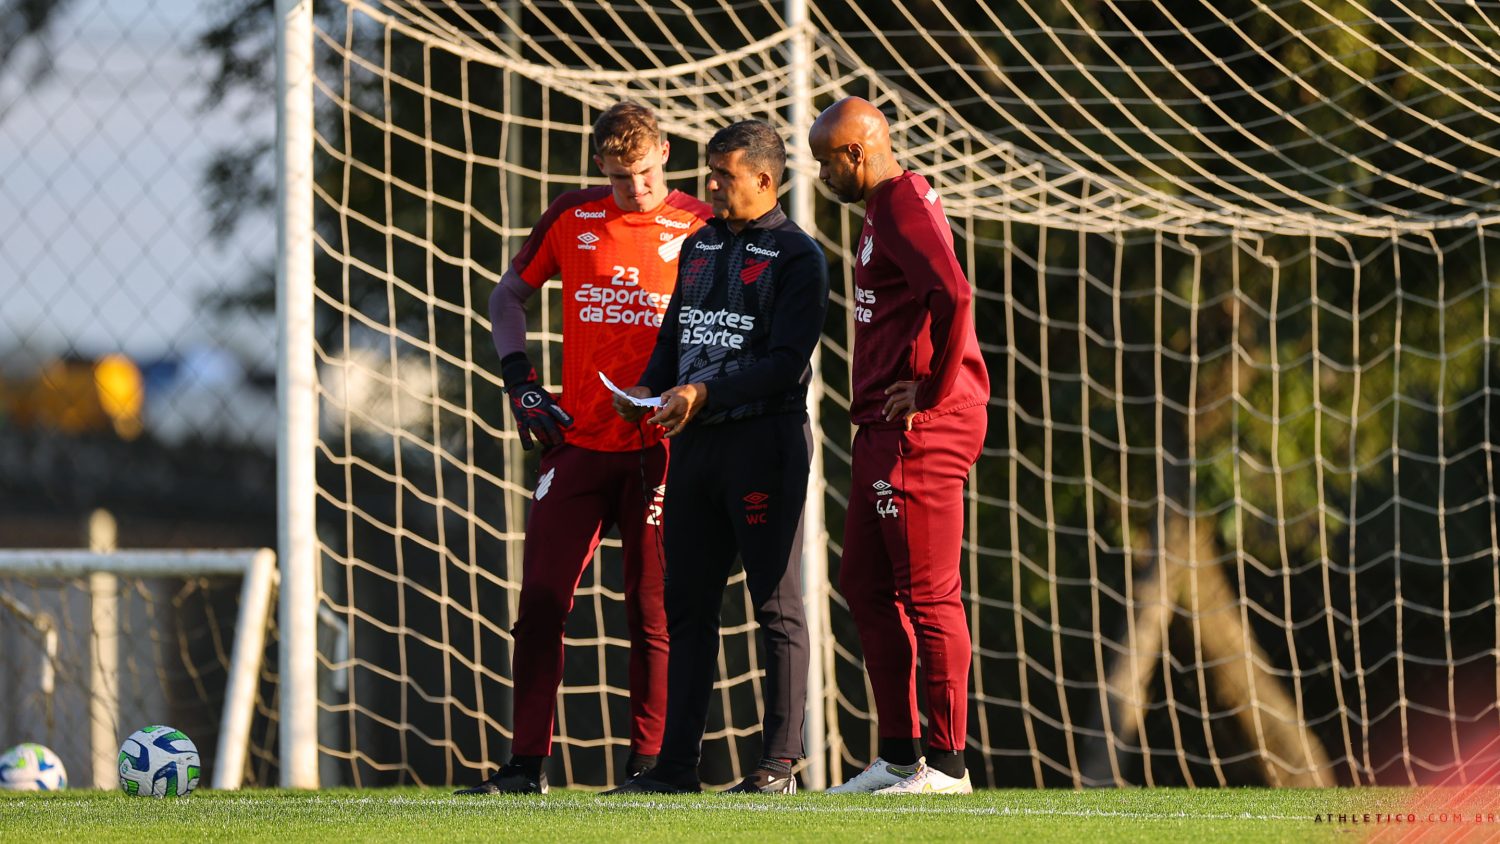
<point>104,240</point>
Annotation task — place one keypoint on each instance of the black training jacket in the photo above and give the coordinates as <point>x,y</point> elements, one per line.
<point>744,319</point>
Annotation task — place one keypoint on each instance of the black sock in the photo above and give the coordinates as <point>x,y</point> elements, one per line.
<point>899,751</point>
<point>639,763</point>
<point>530,764</point>
<point>779,767</point>
<point>950,762</point>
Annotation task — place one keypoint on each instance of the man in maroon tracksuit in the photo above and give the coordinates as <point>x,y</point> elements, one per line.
<point>919,398</point>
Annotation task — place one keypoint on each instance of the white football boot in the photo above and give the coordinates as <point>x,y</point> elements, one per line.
<point>929,780</point>
<point>878,775</point>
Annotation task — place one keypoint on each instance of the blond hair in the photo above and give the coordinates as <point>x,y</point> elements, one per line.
<point>626,130</point>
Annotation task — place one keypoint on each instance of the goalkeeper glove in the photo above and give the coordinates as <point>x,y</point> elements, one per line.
<point>537,412</point>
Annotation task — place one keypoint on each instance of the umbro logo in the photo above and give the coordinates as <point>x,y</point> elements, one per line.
<point>931,196</point>
<point>587,240</point>
<point>755,508</point>
<point>881,488</point>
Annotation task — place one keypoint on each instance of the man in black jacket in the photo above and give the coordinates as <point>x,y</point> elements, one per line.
<point>732,364</point>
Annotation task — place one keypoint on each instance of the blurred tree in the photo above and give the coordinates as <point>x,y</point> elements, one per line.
<point>25,22</point>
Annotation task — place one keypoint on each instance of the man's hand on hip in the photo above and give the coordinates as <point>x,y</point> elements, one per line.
<point>902,403</point>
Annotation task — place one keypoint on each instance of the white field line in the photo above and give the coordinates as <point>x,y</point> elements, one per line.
<point>739,804</point>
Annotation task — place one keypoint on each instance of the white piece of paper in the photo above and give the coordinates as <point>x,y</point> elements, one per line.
<point>654,401</point>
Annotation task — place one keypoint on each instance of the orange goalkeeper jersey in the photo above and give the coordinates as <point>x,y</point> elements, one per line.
<point>618,270</point>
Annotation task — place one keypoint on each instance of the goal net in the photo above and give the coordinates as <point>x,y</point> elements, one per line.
<point>100,644</point>
<point>1235,520</point>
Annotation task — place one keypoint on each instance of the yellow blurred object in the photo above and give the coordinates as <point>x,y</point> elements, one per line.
<point>122,393</point>
<point>63,397</point>
<point>76,396</point>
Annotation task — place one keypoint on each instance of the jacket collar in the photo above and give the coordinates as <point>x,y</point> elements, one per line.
<point>769,220</point>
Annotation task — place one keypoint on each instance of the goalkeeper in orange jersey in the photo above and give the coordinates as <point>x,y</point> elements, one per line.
<point>616,248</point>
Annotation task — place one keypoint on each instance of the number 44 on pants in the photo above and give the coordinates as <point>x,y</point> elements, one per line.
<point>885,500</point>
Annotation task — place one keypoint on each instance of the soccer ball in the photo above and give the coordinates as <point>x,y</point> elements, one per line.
<point>158,761</point>
<point>32,767</point>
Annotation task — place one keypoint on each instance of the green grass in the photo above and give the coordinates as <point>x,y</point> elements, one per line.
<point>1029,816</point>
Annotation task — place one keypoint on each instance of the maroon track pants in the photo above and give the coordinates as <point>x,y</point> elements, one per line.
<point>900,573</point>
<point>579,495</point>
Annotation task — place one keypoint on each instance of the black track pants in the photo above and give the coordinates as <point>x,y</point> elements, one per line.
<point>735,488</point>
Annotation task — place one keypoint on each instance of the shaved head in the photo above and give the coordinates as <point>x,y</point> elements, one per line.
<point>851,141</point>
<point>853,120</point>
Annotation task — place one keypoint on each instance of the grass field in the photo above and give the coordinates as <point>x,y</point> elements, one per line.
<point>1154,815</point>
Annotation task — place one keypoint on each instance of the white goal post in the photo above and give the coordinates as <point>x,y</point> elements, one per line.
<point>256,567</point>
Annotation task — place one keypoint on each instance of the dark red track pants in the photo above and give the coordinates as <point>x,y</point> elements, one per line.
<point>900,572</point>
<point>580,495</point>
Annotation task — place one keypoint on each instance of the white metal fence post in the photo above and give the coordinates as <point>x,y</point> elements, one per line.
<point>104,657</point>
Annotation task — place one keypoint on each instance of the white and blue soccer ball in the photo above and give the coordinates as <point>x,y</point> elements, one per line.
<point>159,761</point>
<point>32,767</point>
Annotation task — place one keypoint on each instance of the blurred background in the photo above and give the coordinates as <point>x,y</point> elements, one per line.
<point>1235,520</point>
<point>136,381</point>
<point>132,375</point>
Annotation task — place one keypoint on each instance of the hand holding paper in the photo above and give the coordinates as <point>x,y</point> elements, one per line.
<point>654,401</point>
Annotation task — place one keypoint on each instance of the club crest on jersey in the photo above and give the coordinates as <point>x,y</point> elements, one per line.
<point>866,250</point>
<point>753,270</point>
<point>543,484</point>
<point>671,249</point>
<point>587,241</point>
